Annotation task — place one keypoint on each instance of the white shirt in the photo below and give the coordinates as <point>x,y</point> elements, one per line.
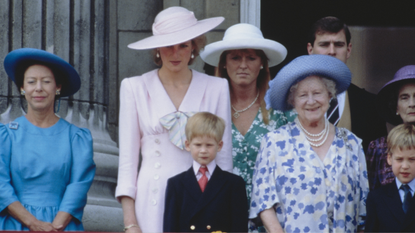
<point>401,192</point>
<point>341,99</point>
<point>210,168</point>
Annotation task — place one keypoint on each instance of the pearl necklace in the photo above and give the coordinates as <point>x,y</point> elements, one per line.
<point>236,114</point>
<point>320,135</point>
<point>324,133</point>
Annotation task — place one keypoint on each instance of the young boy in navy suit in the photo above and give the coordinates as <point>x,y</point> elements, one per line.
<point>205,198</point>
<point>390,208</point>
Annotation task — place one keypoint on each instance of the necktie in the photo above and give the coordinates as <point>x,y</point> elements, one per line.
<point>407,197</point>
<point>333,112</point>
<point>203,180</point>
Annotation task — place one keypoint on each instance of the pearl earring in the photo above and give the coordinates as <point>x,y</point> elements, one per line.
<point>22,92</point>
<point>58,92</point>
<point>157,55</point>
<point>397,113</point>
<point>192,56</point>
<point>262,67</point>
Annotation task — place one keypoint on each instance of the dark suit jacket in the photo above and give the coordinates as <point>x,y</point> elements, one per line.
<point>367,124</point>
<point>221,207</point>
<point>385,213</point>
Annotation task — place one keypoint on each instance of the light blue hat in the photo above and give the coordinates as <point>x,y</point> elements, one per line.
<point>299,69</point>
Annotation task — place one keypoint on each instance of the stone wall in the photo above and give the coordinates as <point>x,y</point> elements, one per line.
<point>78,32</point>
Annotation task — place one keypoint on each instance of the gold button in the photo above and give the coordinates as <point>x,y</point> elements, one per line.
<point>192,227</point>
<point>208,227</point>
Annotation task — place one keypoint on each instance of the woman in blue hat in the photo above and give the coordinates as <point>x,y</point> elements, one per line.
<point>47,163</point>
<point>310,176</point>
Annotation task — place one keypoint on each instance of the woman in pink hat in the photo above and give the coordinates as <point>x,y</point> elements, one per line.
<point>153,112</point>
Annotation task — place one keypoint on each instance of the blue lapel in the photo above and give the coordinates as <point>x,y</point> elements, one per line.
<point>394,202</point>
<point>410,215</point>
<point>191,185</point>
<point>215,184</point>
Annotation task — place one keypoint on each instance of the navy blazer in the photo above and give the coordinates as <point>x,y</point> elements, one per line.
<point>385,213</point>
<point>221,207</point>
<point>367,124</point>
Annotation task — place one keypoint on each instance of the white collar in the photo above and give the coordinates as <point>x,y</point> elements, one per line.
<point>410,184</point>
<point>211,167</point>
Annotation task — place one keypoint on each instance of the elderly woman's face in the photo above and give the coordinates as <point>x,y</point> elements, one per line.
<point>243,67</point>
<point>406,103</point>
<point>40,88</point>
<point>311,100</point>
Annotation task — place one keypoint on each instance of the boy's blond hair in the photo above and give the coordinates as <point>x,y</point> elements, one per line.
<point>205,124</point>
<point>402,137</point>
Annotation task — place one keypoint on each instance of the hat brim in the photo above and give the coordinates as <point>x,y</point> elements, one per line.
<point>72,81</point>
<point>302,67</point>
<point>274,51</point>
<point>201,27</point>
<point>385,97</point>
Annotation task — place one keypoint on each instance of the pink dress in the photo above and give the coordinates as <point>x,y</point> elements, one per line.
<point>143,102</point>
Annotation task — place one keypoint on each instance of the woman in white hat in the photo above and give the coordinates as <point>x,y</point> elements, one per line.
<point>243,58</point>
<point>154,110</point>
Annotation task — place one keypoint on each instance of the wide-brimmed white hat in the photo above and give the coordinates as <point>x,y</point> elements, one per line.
<point>175,25</point>
<point>244,36</point>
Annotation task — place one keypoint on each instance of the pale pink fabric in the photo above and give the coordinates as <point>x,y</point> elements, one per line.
<point>143,102</point>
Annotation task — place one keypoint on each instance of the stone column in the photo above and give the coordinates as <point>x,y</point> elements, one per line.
<point>76,31</point>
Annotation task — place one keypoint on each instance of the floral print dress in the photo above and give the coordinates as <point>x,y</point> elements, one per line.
<point>307,193</point>
<point>245,148</point>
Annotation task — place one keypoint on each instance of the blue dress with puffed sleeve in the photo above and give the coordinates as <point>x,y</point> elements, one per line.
<point>46,169</point>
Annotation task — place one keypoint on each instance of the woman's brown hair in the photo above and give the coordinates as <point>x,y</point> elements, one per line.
<point>263,79</point>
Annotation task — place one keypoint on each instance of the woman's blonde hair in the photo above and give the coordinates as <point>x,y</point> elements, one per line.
<point>198,43</point>
<point>263,79</point>
<point>205,124</point>
<point>402,137</point>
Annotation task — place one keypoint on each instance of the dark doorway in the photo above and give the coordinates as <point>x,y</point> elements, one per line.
<point>288,21</point>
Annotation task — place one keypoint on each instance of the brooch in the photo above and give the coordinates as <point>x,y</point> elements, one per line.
<point>13,125</point>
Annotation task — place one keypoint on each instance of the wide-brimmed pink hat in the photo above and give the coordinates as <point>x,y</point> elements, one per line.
<point>175,25</point>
